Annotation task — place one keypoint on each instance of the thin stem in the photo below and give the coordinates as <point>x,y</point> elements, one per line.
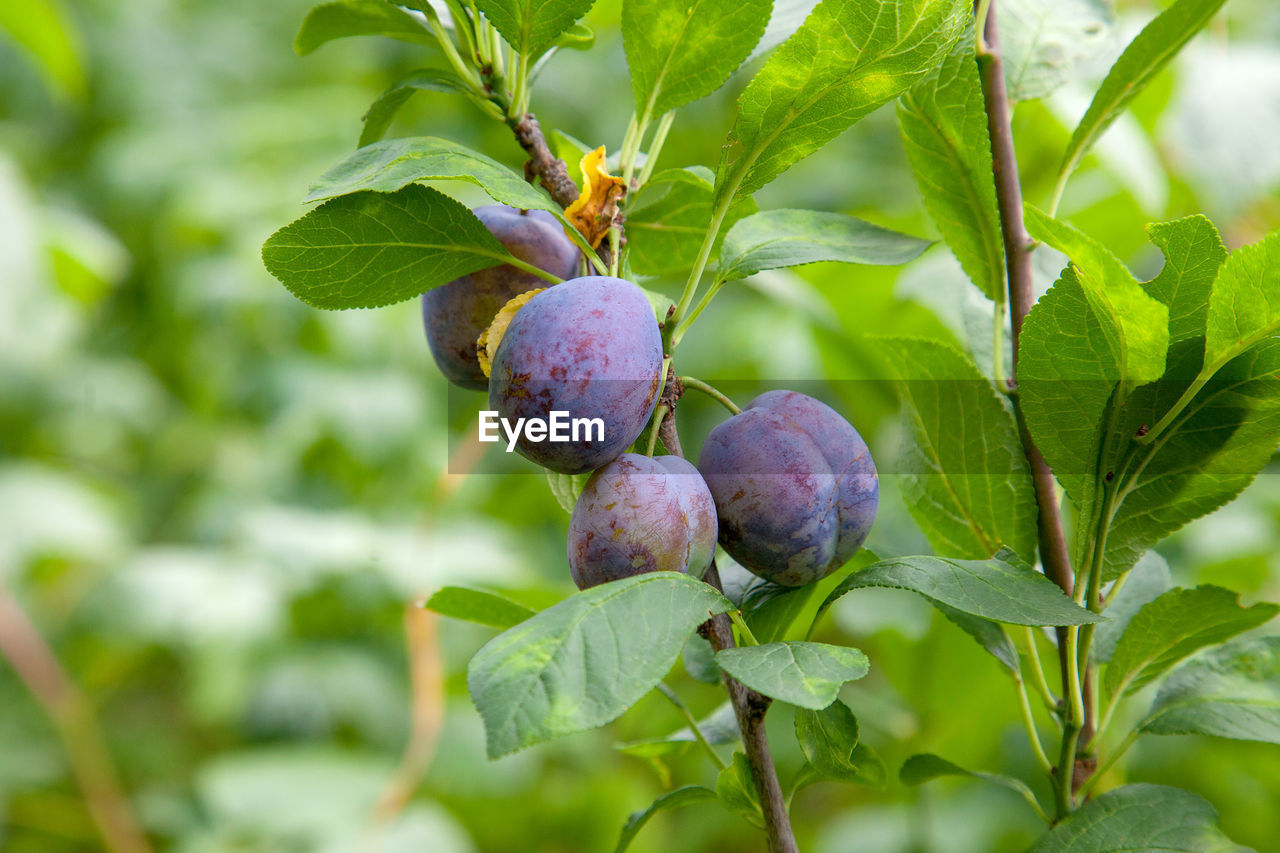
<point>535,270</point>
<point>519,69</point>
<point>1035,806</point>
<point>464,69</point>
<point>748,637</point>
<point>980,19</point>
<point>1029,723</point>
<point>658,414</point>
<point>655,147</point>
<point>503,56</point>
<point>681,329</point>
<point>1202,378</point>
<point>25,649</point>
<point>1059,187</point>
<point>1104,721</point>
<point>704,252</point>
<point>1075,696</point>
<point>712,392</point>
<point>693,725</point>
<point>615,247</point>
<point>631,147</point>
<point>463,27</point>
<point>1038,681</point>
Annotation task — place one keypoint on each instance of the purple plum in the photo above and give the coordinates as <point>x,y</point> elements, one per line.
<point>587,351</point>
<point>795,487</point>
<point>640,514</point>
<point>455,314</point>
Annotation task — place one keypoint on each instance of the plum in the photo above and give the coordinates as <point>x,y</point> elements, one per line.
<point>590,350</point>
<point>795,487</point>
<point>455,314</point>
<point>640,514</point>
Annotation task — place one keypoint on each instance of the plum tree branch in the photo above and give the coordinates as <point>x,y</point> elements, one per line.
<point>38,667</point>
<point>554,175</point>
<point>544,165</point>
<point>1018,248</point>
<point>750,708</point>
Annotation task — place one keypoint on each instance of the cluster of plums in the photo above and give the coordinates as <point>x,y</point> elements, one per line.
<point>787,486</point>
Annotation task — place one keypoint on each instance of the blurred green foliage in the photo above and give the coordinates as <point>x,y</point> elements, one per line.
<point>216,502</point>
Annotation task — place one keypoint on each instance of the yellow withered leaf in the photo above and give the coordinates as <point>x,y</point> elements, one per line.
<point>593,212</point>
<point>487,343</point>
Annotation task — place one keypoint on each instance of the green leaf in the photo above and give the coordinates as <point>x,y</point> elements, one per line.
<point>345,18</point>
<point>944,130</point>
<point>1193,253</point>
<point>990,635</point>
<point>770,609</point>
<point>964,475</point>
<point>1231,692</point>
<point>379,116</point>
<point>669,220</point>
<point>1149,580</point>
<point>679,52</point>
<point>582,662</point>
<point>925,767</point>
<point>1094,330</point>
<point>1137,66</point>
<point>577,37</point>
<point>1244,307</point>
<point>565,488</point>
<point>689,795</point>
<point>1140,819</point>
<point>396,163</point>
<point>1224,438</point>
<point>828,738</point>
<point>532,26</point>
<point>1136,325</point>
<point>808,675</point>
<point>868,766</point>
<point>370,249</point>
<point>1002,588</point>
<point>867,769</point>
<point>847,59</point>
<point>772,613</point>
<point>476,605</point>
<point>1173,626</point>
<point>787,238</point>
<point>1067,371</point>
<point>1043,42</point>
<point>737,791</point>
<point>700,660</point>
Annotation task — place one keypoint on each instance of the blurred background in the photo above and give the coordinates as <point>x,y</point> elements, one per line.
<point>217,504</point>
